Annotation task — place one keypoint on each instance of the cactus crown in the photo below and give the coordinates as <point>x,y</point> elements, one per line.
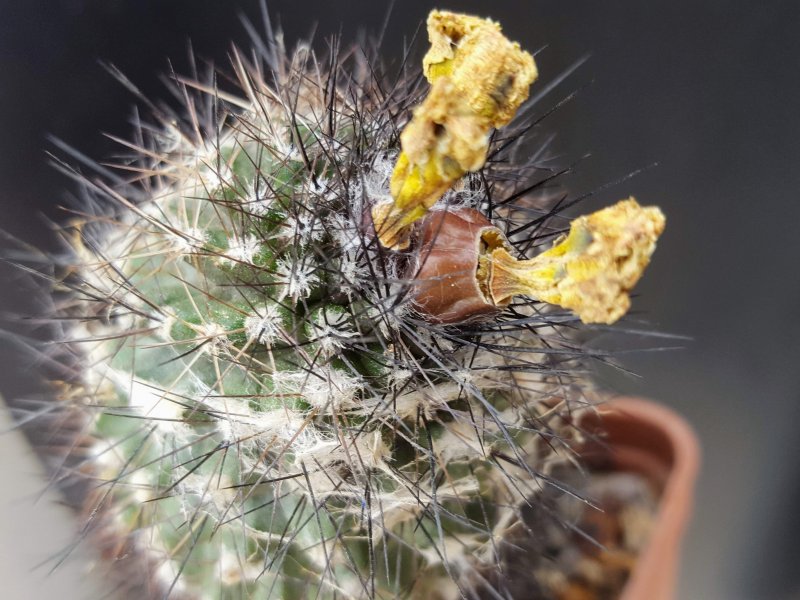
<point>271,404</point>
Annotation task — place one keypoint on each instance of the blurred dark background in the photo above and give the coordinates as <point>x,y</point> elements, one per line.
<point>708,90</point>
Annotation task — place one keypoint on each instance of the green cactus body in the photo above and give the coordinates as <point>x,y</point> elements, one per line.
<point>267,414</point>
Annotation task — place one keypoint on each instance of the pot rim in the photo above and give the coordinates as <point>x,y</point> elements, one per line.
<point>646,437</point>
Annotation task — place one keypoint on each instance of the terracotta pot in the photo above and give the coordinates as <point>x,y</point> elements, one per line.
<point>647,438</point>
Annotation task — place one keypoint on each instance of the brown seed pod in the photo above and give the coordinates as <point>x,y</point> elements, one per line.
<point>464,271</point>
<point>446,286</point>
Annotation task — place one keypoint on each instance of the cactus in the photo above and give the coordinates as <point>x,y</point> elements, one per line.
<point>314,358</point>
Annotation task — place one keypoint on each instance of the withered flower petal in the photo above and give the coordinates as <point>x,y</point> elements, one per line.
<point>479,79</point>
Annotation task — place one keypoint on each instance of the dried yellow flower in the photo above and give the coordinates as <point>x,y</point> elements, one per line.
<point>478,80</point>
<point>491,74</point>
<point>590,271</point>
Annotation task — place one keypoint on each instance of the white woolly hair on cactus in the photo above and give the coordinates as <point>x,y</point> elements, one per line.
<point>307,348</point>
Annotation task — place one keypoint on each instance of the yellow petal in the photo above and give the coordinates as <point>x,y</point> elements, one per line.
<point>592,270</point>
<point>478,81</point>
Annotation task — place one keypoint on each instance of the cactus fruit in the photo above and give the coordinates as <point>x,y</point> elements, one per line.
<point>312,358</point>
